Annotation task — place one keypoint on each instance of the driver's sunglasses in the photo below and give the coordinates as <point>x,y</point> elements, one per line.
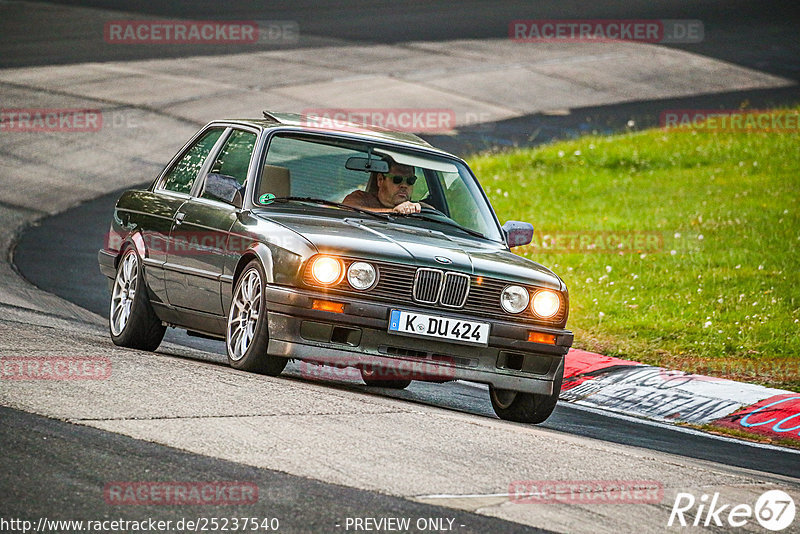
<point>398,178</point>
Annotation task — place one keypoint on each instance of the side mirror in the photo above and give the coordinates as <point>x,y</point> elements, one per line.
<point>518,233</point>
<point>367,164</point>
<point>224,188</point>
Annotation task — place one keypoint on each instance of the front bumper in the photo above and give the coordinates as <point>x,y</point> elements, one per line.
<point>359,336</point>
<point>106,259</point>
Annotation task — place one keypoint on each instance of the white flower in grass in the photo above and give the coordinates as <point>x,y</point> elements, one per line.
<point>706,324</point>
<point>677,235</point>
<point>700,237</point>
<point>608,268</point>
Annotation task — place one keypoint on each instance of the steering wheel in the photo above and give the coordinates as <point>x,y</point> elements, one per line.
<point>433,211</point>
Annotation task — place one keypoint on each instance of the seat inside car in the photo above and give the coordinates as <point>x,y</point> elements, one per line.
<point>274,180</point>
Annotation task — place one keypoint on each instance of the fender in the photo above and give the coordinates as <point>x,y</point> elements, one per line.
<point>138,242</point>
<point>135,240</point>
<point>258,251</point>
<point>264,255</point>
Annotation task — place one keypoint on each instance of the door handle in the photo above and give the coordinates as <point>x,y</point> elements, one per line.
<point>179,217</point>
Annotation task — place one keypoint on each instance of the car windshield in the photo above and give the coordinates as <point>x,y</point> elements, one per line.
<point>301,166</point>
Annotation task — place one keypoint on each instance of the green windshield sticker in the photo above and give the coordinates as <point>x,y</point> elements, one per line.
<point>266,198</point>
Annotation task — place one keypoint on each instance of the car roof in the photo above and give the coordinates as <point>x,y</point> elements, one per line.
<point>314,124</point>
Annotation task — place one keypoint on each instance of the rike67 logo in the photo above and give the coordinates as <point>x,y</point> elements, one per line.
<point>774,510</point>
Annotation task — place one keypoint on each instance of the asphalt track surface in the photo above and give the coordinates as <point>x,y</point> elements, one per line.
<point>82,460</point>
<point>759,35</point>
<point>756,35</point>
<point>71,240</point>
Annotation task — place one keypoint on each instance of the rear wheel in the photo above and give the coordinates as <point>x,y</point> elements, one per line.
<point>382,377</point>
<point>131,319</point>
<point>525,407</point>
<point>247,333</point>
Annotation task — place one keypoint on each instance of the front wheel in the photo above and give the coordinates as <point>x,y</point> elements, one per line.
<point>525,407</point>
<point>131,319</point>
<point>247,333</point>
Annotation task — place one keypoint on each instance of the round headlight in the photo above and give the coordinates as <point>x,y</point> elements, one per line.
<point>326,270</point>
<point>546,303</point>
<point>514,299</point>
<point>361,275</point>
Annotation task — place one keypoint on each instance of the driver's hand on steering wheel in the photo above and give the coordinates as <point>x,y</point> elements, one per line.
<point>407,207</point>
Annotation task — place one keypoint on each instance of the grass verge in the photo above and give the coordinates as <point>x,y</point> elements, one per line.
<point>710,285</point>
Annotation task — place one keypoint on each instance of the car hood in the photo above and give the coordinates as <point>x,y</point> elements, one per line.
<point>374,239</point>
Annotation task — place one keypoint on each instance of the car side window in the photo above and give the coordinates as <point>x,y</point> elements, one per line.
<point>182,175</point>
<point>421,187</point>
<point>316,169</point>
<point>228,173</point>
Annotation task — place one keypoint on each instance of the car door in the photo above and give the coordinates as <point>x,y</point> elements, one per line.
<point>197,251</point>
<point>157,208</point>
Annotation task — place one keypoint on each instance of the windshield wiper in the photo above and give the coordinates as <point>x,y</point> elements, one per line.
<point>331,203</point>
<point>448,222</point>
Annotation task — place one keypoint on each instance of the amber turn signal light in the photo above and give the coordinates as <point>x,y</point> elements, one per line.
<point>326,305</point>
<point>538,337</point>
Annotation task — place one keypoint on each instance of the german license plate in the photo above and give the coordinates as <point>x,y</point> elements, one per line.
<point>456,330</point>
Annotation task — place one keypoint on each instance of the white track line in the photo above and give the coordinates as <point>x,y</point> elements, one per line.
<point>659,424</point>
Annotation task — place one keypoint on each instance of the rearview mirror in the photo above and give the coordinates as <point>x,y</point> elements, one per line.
<point>518,233</point>
<point>367,165</point>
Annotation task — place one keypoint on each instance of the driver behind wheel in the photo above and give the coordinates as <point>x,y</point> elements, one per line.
<point>387,192</point>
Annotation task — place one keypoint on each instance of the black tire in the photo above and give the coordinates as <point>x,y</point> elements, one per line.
<point>132,322</point>
<point>377,378</point>
<point>526,407</point>
<point>252,355</point>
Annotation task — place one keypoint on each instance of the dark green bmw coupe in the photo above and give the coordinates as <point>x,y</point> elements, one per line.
<point>337,245</point>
